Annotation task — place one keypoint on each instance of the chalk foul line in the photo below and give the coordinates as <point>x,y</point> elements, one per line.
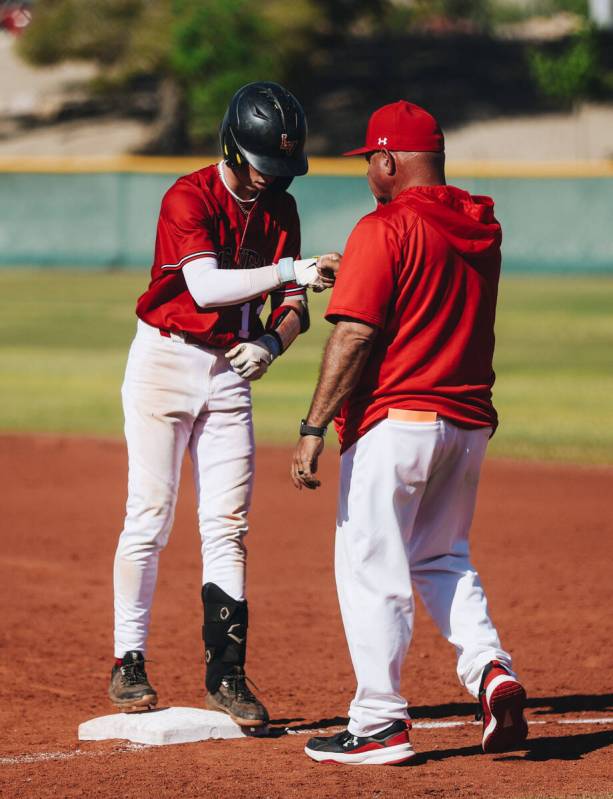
<point>127,747</point>
<point>440,725</point>
<point>41,757</point>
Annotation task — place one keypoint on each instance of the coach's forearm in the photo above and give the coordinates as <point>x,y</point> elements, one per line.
<point>344,358</point>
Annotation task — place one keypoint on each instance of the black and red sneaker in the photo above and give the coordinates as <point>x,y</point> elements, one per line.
<point>387,747</point>
<point>502,700</point>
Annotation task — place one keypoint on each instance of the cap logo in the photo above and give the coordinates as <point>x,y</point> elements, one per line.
<point>382,140</point>
<point>287,146</point>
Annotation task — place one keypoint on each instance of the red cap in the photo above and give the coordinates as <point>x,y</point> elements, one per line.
<point>402,126</point>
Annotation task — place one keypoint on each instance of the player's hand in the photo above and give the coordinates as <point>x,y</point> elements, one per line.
<point>304,463</point>
<point>306,273</point>
<point>251,359</point>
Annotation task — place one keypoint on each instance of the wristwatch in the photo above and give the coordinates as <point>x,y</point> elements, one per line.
<point>309,430</point>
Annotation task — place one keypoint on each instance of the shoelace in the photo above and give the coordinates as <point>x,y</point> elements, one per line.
<point>238,683</point>
<point>133,673</point>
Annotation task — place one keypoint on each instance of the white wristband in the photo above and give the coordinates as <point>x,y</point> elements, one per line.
<point>285,268</point>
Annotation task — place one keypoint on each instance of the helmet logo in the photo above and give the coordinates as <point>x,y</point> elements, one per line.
<point>287,146</point>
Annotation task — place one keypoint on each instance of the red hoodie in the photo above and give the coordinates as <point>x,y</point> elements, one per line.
<point>423,269</point>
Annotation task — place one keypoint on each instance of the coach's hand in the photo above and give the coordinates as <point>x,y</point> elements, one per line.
<point>327,269</point>
<point>304,464</point>
<point>251,359</point>
<point>328,265</point>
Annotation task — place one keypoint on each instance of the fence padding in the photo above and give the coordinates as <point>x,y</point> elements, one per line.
<point>97,219</point>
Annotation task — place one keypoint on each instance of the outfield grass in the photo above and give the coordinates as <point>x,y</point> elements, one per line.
<point>64,336</point>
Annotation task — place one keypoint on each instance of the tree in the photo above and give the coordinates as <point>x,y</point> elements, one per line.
<point>572,75</point>
<point>216,47</point>
<point>196,52</point>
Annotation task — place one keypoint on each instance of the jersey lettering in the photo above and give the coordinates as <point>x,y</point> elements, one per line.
<point>245,311</point>
<point>247,259</point>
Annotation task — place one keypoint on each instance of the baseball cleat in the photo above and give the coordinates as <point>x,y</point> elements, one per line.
<point>130,689</point>
<point>502,700</point>
<point>385,748</point>
<point>236,699</point>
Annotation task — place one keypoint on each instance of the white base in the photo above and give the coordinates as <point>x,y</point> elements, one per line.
<point>170,725</point>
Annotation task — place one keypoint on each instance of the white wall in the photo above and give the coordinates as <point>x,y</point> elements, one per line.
<point>601,12</point>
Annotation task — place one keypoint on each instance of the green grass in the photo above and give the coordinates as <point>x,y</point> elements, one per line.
<point>64,337</point>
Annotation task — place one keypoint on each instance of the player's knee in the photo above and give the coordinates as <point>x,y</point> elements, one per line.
<point>136,544</point>
<point>147,528</point>
<point>222,522</point>
<point>224,534</point>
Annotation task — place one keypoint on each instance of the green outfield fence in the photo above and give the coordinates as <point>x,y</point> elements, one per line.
<point>95,213</point>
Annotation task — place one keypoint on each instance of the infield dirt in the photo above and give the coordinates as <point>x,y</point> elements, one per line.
<point>541,540</point>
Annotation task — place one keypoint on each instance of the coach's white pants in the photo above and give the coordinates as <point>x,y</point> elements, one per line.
<point>406,502</point>
<point>177,396</point>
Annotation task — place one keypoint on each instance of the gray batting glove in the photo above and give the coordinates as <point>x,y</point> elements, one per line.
<point>251,359</point>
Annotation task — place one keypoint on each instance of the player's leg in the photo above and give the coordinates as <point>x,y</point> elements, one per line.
<point>380,494</point>
<point>442,571</point>
<point>158,410</point>
<point>222,450</point>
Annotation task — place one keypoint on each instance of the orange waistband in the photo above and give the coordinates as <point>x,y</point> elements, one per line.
<point>402,415</point>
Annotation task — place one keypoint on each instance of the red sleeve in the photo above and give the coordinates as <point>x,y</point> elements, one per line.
<point>367,277</point>
<point>289,247</point>
<point>184,228</point>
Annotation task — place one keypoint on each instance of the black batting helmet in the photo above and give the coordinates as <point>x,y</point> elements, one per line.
<point>266,127</point>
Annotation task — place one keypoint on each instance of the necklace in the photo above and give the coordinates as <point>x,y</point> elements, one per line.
<point>244,206</point>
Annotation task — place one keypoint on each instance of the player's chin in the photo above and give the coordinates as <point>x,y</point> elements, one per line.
<point>262,185</point>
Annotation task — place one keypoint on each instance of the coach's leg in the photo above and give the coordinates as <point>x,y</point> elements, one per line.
<point>440,563</point>
<point>381,484</point>
<point>157,427</point>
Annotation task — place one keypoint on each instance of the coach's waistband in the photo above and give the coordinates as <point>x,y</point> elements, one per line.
<point>402,415</point>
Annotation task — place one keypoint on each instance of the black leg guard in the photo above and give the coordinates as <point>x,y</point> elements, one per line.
<point>224,634</point>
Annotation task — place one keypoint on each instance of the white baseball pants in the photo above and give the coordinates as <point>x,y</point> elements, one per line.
<point>177,396</point>
<point>406,502</point>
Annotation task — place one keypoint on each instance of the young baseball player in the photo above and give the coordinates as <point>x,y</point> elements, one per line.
<point>408,370</point>
<point>228,237</point>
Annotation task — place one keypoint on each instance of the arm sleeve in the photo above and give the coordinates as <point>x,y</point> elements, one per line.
<point>214,287</point>
<point>366,280</point>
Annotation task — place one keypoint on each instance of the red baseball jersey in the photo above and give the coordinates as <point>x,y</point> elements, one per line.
<point>198,218</point>
<point>423,269</point>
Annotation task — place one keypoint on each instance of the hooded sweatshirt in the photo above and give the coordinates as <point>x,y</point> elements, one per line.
<point>424,270</point>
